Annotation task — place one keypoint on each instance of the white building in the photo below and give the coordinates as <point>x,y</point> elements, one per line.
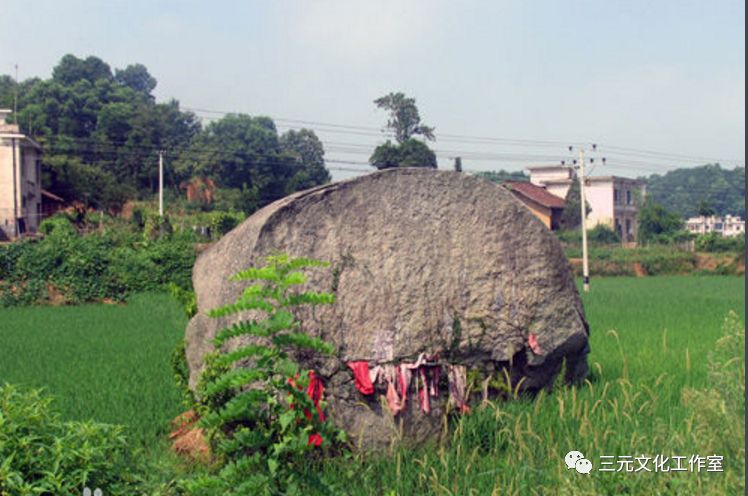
<point>20,181</point>
<point>726,226</point>
<point>614,200</point>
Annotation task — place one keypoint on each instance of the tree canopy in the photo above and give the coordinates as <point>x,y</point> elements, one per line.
<point>405,121</point>
<point>655,220</point>
<point>102,130</point>
<point>682,191</point>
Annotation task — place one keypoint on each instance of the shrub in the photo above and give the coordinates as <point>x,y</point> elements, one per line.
<point>58,223</point>
<point>42,455</point>
<point>261,421</point>
<point>223,222</point>
<point>603,235</point>
<point>716,243</point>
<point>91,267</point>
<point>573,236</point>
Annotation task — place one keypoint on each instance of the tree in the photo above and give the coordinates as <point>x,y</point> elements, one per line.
<point>136,77</point>
<point>306,149</point>
<point>655,220</point>
<point>244,153</point>
<point>411,153</point>
<point>705,210</point>
<point>571,217</point>
<point>109,124</point>
<point>71,69</point>
<point>404,119</point>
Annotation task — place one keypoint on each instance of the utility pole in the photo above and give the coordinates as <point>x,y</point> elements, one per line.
<point>15,97</point>
<point>583,206</point>
<point>161,183</point>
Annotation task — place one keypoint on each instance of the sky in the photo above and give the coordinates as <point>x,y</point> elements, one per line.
<point>656,84</point>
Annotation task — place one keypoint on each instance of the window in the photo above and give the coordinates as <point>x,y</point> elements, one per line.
<point>616,197</point>
<point>629,197</point>
<point>717,226</point>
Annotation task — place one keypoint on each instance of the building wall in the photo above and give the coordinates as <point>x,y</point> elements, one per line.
<point>27,204</point>
<point>541,212</point>
<point>600,197</point>
<point>615,204</point>
<point>559,189</point>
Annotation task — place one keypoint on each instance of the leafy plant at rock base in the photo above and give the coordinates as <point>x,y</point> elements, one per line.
<point>261,421</point>
<point>41,454</point>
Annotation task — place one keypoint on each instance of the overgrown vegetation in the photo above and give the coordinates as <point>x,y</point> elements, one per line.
<point>41,454</point>
<point>65,267</point>
<point>266,416</point>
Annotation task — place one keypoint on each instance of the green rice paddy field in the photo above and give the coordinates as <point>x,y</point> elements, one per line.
<point>651,391</point>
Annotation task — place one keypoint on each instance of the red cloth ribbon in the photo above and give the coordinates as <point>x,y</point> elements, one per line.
<point>361,376</point>
<point>314,390</point>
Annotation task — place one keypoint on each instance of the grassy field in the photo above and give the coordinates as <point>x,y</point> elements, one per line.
<point>104,362</point>
<point>650,392</point>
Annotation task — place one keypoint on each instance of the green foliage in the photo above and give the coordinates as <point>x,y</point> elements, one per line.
<point>260,417</point>
<point>59,224</point>
<point>404,119</point>
<point>157,227</point>
<point>719,409</point>
<point>410,153</point>
<point>655,260</point>
<point>716,243</point>
<point>709,188</point>
<point>41,454</point>
<point>569,236</point>
<point>306,148</point>
<point>503,176</point>
<point>603,235</point>
<point>655,220</point>
<point>109,264</point>
<point>101,132</point>
<point>245,154</point>
<point>705,209</point>
<point>405,122</point>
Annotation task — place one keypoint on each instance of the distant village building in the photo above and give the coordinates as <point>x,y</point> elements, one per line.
<point>614,200</point>
<point>20,181</point>
<point>728,225</point>
<point>546,206</point>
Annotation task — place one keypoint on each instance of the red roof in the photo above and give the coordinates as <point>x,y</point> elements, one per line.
<point>536,193</point>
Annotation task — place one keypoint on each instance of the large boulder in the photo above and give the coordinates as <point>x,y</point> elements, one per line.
<point>423,261</point>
